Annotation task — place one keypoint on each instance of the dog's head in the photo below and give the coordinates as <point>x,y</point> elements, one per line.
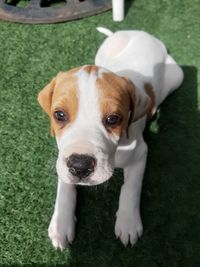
<point>90,108</point>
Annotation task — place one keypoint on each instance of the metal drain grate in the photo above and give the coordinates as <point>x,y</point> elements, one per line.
<point>50,11</point>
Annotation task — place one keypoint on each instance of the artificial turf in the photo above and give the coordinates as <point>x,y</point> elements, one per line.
<point>30,55</point>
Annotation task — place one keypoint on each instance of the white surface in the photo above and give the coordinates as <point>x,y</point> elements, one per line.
<point>118,10</point>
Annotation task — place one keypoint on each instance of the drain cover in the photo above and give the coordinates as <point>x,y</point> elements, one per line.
<point>46,11</point>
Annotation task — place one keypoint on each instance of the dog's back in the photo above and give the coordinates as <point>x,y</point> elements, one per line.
<point>140,57</point>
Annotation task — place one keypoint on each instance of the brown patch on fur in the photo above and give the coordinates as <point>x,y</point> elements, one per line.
<point>60,94</point>
<point>45,96</point>
<point>150,92</point>
<point>114,99</point>
<point>140,102</point>
<point>118,95</point>
<point>91,68</point>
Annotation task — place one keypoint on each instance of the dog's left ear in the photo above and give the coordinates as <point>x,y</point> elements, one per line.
<point>140,102</point>
<point>45,96</point>
<point>45,99</point>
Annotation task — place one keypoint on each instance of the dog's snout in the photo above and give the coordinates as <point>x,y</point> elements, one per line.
<point>81,165</point>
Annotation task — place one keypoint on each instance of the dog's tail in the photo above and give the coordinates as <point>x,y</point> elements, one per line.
<point>105,31</point>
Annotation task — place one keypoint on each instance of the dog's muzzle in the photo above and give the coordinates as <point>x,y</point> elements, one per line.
<point>81,165</point>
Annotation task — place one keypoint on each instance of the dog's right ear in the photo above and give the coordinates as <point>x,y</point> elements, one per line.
<point>45,96</point>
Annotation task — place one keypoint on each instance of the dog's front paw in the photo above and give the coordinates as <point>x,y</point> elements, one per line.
<point>61,231</point>
<point>128,227</point>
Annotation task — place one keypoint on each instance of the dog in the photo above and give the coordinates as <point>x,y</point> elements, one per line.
<point>98,114</point>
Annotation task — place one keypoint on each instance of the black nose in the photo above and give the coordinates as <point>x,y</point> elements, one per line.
<point>81,165</point>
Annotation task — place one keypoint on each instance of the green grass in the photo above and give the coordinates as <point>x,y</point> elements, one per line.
<point>30,55</point>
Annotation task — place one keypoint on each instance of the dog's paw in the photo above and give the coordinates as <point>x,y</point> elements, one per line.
<point>61,231</point>
<point>128,227</point>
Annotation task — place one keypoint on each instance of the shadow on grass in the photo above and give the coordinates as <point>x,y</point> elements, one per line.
<point>128,4</point>
<point>170,197</point>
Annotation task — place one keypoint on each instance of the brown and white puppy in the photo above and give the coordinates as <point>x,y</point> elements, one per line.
<point>90,109</point>
<point>98,115</point>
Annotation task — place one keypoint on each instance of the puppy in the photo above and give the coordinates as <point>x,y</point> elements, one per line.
<point>98,114</point>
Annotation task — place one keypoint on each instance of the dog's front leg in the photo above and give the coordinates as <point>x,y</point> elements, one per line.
<point>62,226</point>
<point>128,226</point>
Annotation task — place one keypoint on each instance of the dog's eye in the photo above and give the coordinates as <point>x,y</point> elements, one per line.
<point>112,120</point>
<point>60,116</point>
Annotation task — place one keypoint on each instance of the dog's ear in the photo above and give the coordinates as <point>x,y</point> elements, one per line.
<point>45,96</point>
<point>140,102</point>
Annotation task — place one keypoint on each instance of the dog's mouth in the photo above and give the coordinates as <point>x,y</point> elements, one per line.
<point>93,179</point>
<point>87,183</point>
<point>81,181</point>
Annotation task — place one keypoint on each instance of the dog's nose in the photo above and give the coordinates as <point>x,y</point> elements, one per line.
<point>81,165</point>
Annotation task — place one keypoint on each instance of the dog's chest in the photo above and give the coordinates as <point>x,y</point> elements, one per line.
<point>129,145</point>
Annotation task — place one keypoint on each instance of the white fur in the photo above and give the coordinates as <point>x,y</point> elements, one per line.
<point>105,31</point>
<point>62,225</point>
<point>142,58</point>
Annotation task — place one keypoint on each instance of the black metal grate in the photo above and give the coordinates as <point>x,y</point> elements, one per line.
<point>50,11</point>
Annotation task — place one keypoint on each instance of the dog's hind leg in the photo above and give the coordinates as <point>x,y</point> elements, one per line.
<point>170,77</point>
<point>173,75</point>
